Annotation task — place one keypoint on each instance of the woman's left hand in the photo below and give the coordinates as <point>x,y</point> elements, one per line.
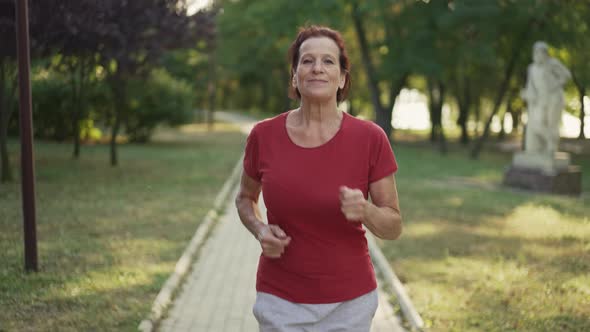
<point>353,204</point>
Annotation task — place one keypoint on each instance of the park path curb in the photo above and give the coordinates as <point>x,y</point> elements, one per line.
<point>393,282</point>
<point>164,297</point>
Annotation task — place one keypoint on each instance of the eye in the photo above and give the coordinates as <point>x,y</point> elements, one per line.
<point>306,61</point>
<point>329,61</point>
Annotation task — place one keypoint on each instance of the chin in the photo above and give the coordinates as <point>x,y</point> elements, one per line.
<point>319,96</point>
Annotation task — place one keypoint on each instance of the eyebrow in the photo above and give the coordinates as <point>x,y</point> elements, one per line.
<point>311,54</point>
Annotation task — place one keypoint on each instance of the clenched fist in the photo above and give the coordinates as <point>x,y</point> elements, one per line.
<point>273,241</point>
<point>353,204</point>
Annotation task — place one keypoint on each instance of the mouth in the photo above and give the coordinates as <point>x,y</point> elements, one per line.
<point>317,81</point>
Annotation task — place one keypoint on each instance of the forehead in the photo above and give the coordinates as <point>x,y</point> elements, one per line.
<point>319,45</point>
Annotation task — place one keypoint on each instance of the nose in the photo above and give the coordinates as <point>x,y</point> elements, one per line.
<point>317,67</point>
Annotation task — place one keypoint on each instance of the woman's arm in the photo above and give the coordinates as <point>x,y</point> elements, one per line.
<point>382,214</point>
<point>271,237</point>
<point>247,204</point>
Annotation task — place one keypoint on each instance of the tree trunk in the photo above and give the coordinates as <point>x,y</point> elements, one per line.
<point>511,95</point>
<point>581,93</point>
<point>382,113</point>
<point>382,116</point>
<point>6,110</point>
<point>436,92</point>
<point>582,114</point>
<point>435,109</point>
<point>119,95</point>
<point>76,112</point>
<point>383,120</point>
<point>464,102</point>
<point>502,133</point>
<point>114,133</point>
<point>516,51</point>
<point>393,93</point>
<point>514,113</point>
<point>211,90</point>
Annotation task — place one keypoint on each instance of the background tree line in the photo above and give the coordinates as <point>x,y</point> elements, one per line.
<point>103,65</point>
<point>469,54</point>
<point>126,66</point>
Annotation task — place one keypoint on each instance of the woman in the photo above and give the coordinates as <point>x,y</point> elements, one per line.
<point>316,167</point>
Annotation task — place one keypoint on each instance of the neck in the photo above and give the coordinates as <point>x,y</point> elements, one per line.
<point>313,112</point>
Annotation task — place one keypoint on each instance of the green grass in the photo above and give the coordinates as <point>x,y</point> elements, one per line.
<point>108,238</point>
<point>476,256</point>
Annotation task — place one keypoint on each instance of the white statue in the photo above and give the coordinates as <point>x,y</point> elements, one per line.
<point>544,96</point>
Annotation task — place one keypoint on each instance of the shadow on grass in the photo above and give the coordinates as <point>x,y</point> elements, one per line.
<point>119,308</point>
<point>490,310</point>
<point>451,241</point>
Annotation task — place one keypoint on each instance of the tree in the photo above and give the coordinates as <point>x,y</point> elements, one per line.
<point>8,73</point>
<point>74,38</point>
<point>133,36</point>
<point>527,18</point>
<point>394,67</point>
<point>569,33</point>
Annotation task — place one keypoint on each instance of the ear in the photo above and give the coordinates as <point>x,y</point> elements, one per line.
<point>294,80</point>
<point>342,81</point>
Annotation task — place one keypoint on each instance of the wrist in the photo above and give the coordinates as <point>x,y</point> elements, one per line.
<point>260,231</point>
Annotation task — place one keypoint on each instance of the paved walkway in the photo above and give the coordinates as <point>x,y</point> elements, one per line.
<point>219,292</point>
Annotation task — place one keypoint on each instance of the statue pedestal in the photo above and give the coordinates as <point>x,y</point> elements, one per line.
<point>544,173</point>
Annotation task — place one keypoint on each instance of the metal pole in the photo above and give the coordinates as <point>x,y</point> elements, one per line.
<point>26,124</point>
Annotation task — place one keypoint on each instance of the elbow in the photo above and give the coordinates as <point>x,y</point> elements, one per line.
<point>241,198</point>
<point>394,232</point>
<point>237,200</point>
<point>397,232</point>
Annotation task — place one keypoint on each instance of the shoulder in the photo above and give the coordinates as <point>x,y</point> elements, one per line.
<point>269,124</point>
<point>364,127</point>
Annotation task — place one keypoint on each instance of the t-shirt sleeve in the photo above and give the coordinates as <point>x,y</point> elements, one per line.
<point>251,156</point>
<point>382,159</point>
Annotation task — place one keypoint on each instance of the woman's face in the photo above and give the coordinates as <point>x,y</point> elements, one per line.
<point>318,75</point>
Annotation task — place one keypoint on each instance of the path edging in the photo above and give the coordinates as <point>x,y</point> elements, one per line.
<point>389,277</point>
<point>164,297</point>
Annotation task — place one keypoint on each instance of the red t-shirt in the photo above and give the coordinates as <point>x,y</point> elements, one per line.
<point>328,258</point>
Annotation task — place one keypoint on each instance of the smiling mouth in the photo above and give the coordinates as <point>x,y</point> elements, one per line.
<point>318,81</point>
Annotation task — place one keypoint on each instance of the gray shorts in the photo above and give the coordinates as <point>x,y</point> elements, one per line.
<point>275,314</point>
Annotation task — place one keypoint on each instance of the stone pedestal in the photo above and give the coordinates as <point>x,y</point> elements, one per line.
<point>548,163</point>
<point>544,173</point>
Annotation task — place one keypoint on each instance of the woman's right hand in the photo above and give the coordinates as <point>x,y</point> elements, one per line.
<point>273,241</point>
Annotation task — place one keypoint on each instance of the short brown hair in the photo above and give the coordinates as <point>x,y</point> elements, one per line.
<point>319,31</point>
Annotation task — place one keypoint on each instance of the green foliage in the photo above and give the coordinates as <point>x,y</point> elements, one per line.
<point>108,237</point>
<point>253,43</point>
<point>51,103</point>
<point>160,99</point>
<point>476,256</point>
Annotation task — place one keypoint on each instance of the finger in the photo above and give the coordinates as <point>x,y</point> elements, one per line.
<point>272,241</point>
<point>354,202</point>
<point>352,213</point>
<point>274,252</point>
<point>271,255</point>
<point>277,231</point>
<point>344,192</point>
<point>351,194</point>
<point>286,241</point>
<point>275,243</point>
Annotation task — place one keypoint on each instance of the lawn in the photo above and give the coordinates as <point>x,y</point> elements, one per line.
<point>476,256</point>
<point>108,238</point>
